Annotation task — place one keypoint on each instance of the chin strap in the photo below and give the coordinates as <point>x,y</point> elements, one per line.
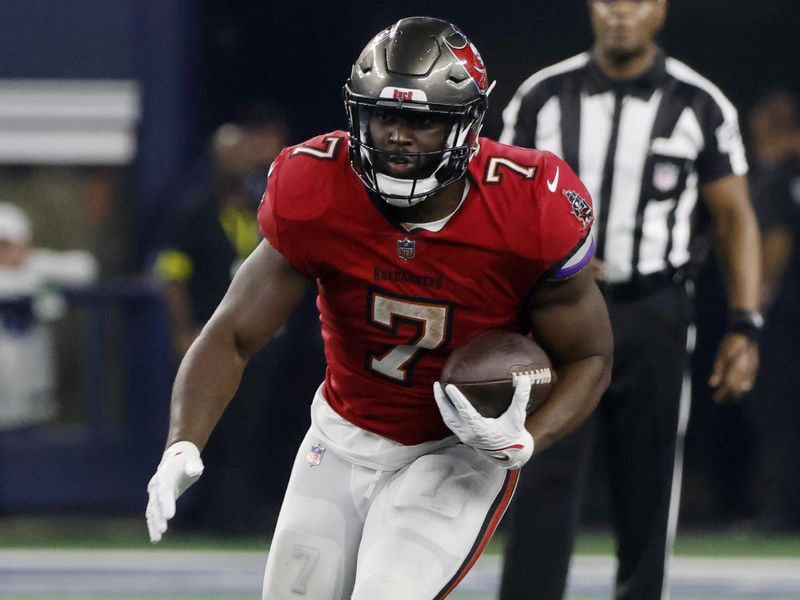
<point>397,192</point>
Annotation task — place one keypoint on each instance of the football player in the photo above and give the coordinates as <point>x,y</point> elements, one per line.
<point>419,235</point>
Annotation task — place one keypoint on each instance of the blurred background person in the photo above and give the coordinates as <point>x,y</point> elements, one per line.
<point>211,231</point>
<point>30,283</point>
<point>750,452</point>
<point>213,227</point>
<point>774,124</point>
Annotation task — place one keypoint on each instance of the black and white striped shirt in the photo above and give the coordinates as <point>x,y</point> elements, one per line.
<point>641,147</point>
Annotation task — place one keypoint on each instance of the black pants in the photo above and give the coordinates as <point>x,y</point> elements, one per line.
<point>639,417</point>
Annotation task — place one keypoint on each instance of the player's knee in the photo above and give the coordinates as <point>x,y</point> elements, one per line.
<point>383,585</point>
<point>302,565</point>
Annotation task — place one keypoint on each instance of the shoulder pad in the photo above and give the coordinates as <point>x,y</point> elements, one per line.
<point>501,163</point>
<point>303,177</point>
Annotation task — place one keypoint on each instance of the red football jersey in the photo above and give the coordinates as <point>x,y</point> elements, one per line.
<point>394,303</point>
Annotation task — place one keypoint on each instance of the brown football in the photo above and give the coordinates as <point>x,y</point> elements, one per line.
<point>484,369</point>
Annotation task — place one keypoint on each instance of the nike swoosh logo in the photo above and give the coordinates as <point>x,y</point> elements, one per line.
<point>502,454</point>
<point>511,447</point>
<point>553,185</point>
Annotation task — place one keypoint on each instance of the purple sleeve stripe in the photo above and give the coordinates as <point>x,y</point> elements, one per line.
<point>576,262</point>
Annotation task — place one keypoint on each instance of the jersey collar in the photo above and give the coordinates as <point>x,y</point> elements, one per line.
<point>597,82</point>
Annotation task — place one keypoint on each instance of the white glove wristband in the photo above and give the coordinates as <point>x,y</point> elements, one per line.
<point>178,448</point>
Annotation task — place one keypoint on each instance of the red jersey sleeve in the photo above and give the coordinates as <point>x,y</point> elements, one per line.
<point>297,193</point>
<point>565,218</point>
<point>266,209</point>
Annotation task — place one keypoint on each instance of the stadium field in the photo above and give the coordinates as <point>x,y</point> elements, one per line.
<point>62,561</point>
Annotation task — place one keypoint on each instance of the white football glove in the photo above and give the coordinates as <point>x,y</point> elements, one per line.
<point>504,439</point>
<point>179,468</point>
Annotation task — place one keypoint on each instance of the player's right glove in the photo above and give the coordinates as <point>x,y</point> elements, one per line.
<point>503,439</point>
<point>179,468</point>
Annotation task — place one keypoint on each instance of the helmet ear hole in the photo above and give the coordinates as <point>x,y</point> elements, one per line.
<point>366,63</point>
<point>457,78</point>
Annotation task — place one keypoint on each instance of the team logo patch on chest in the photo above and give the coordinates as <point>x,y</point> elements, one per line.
<point>314,456</point>
<point>581,209</point>
<point>406,249</point>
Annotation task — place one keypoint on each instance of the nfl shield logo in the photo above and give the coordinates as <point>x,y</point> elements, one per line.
<point>314,456</point>
<point>406,249</point>
<point>665,176</point>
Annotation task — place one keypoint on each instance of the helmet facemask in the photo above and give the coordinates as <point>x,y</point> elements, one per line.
<point>434,170</point>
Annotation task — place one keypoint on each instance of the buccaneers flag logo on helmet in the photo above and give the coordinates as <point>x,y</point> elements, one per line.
<point>467,54</point>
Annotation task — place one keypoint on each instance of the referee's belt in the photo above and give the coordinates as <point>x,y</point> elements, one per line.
<point>640,286</point>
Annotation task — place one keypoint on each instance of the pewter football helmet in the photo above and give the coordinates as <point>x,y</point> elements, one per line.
<point>417,64</point>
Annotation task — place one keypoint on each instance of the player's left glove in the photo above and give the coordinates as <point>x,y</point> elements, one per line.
<point>503,439</point>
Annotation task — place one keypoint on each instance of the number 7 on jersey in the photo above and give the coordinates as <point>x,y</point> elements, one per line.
<point>432,320</point>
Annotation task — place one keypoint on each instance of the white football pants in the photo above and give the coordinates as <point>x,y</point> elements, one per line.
<point>346,531</point>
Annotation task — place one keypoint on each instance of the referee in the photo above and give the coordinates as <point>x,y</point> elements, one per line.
<point>658,147</point>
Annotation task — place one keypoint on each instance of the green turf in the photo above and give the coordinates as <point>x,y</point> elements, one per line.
<point>708,544</point>
<point>127,533</point>
<point>130,533</point>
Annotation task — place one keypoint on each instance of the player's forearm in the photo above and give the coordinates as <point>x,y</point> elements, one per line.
<point>570,320</point>
<point>264,292</point>
<point>578,390</point>
<point>207,380</point>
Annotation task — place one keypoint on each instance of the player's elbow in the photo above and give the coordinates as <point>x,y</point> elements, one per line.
<point>604,364</point>
<point>604,354</point>
<point>220,338</point>
<point>607,356</point>
<point>604,379</point>
<point>600,365</point>
<point>597,369</point>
